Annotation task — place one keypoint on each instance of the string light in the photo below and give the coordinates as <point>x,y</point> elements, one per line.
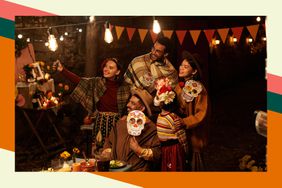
<point>66,33</point>
<point>258,19</point>
<point>20,36</point>
<point>61,38</point>
<point>249,40</point>
<point>264,38</point>
<point>46,44</point>
<point>108,34</point>
<point>156,26</point>
<point>28,40</point>
<point>80,30</point>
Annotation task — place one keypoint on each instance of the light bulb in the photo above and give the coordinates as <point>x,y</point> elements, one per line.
<point>234,39</point>
<point>61,38</point>
<point>258,19</point>
<point>108,36</point>
<point>156,27</point>
<point>20,36</point>
<point>28,40</point>
<point>80,30</point>
<point>66,33</point>
<point>53,45</point>
<point>91,19</point>
<point>217,42</point>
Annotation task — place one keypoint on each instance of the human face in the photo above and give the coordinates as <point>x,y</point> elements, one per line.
<point>157,52</point>
<point>134,104</point>
<point>185,69</point>
<point>110,70</point>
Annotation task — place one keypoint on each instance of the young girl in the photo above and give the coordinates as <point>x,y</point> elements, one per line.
<point>104,98</point>
<point>193,100</point>
<point>170,128</point>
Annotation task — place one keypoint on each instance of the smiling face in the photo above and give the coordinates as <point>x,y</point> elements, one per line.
<point>185,69</point>
<point>157,52</point>
<point>110,70</point>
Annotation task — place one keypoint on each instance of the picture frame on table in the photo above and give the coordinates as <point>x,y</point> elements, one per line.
<point>37,72</point>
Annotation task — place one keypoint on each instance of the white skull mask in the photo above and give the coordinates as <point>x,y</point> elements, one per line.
<point>191,90</point>
<point>135,122</point>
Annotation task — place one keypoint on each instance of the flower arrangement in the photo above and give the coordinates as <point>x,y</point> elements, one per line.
<point>164,91</point>
<point>65,155</point>
<point>74,154</point>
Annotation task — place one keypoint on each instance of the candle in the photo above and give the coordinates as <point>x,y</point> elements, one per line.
<point>76,167</point>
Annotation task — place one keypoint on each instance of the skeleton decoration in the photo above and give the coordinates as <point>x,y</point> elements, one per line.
<point>135,122</point>
<point>191,90</point>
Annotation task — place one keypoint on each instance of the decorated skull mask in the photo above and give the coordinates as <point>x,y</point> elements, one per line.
<point>135,122</point>
<point>191,90</point>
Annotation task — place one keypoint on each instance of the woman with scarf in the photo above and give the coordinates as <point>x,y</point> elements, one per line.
<point>193,101</point>
<point>104,98</point>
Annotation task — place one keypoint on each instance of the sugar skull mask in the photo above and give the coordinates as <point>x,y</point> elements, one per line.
<point>135,122</point>
<point>191,90</point>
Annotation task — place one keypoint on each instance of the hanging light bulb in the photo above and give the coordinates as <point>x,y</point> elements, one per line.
<point>61,38</point>
<point>53,45</point>
<point>156,26</point>
<point>258,19</point>
<point>28,40</point>
<point>91,19</point>
<point>108,34</point>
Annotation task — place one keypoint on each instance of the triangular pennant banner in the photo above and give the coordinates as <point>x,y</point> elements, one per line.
<point>223,33</point>
<point>209,34</point>
<point>167,33</point>
<point>195,35</point>
<point>130,32</point>
<point>119,31</point>
<point>180,35</point>
<point>237,31</point>
<point>154,36</point>
<point>253,29</point>
<point>142,33</point>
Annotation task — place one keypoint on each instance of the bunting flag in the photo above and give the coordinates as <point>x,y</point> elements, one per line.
<point>142,34</point>
<point>223,33</point>
<point>195,35</point>
<point>181,35</point>
<point>130,32</point>
<point>167,33</point>
<point>154,36</point>
<point>237,31</point>
<point>209,34</point>
<point>119,31</point>
<point>253,29</point>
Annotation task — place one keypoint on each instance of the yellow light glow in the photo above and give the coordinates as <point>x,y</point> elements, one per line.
<point>108,36</point>
<point>258,19</point>
<point>53,45</point>
<point>156,27</point>
<point>20,36</point>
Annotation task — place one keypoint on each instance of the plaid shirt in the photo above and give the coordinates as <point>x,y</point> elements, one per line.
<point>142,64</point>
<point>89,90</point>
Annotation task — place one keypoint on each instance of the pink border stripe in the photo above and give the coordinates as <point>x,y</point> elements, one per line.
<point>274,83</point>
<point>10,10</point>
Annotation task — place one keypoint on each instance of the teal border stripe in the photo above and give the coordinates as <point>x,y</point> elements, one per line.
<point>274,102</point>
<point>7,28</point>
